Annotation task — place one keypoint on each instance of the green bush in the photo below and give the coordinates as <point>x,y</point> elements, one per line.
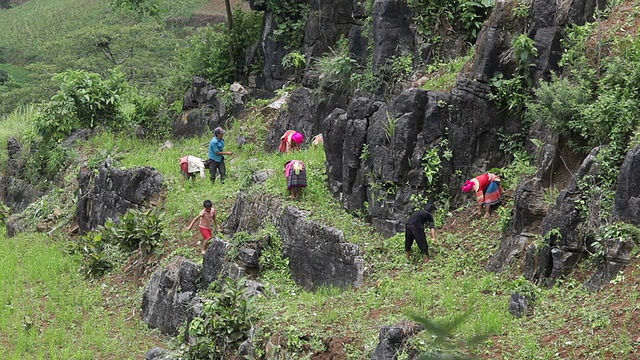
<point>224,324</point>
<point>136,230</point>
<point>108,246</point>
<point>218,54</point>
<point>149,112</point>
<point>84,100</point>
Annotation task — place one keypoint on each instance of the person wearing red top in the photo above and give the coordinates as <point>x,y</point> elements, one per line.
<point>488,190</point>
<point>206,216</point>
<point>290,141</point>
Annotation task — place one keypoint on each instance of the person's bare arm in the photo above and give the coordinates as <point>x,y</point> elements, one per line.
<point>193,222</point>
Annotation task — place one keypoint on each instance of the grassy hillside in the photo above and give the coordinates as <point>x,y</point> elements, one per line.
<point>48,310</point>
<point>567,321</point>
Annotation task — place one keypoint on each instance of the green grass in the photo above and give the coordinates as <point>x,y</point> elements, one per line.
<point>50,20</point>
<point>50,312</point>
<point>453,283</point>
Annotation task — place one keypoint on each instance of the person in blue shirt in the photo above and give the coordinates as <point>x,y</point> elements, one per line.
<point>216,155</point>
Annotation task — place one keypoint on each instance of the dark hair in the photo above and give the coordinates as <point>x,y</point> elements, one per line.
<point>430,207</point>
<point>207,203</point>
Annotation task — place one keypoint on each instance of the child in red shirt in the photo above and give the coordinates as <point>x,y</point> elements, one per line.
<point>206,216</point>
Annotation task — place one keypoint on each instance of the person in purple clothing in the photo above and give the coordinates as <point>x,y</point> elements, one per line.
<point>415,231</point>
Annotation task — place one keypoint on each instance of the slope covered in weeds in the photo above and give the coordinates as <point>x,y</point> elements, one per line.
<point>567,321</point>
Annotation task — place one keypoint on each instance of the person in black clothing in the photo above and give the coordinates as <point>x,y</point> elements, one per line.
<point>415,231</point>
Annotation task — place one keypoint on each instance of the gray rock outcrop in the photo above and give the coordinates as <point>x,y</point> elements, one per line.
<point>112,192</point>
<point>318,255</point>
<point>626,209</point>
<point>627,200</point>
<point>166,298</point>
<point>391,340</point>
<point>15,192</point>
<point>214,263</point>
<point>203,109</point>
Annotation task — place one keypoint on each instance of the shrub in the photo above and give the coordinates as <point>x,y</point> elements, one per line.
<point>337,68</point>
<point>136,230</point>
<point>224,324</point>
<point>84,100</point>
<point>218,54</point>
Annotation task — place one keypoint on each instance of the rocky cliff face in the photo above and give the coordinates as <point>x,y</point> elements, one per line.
<point>376,146</point>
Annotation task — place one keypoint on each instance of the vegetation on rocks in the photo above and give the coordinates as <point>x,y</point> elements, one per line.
<point>128,70</point>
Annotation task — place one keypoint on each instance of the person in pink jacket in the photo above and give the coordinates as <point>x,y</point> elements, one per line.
<point>488,191</point>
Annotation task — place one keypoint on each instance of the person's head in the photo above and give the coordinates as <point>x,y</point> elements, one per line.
<point>297,138</point>
<point>467,186</point>
<point>287,163</point>
<point>219,132</point>
<point>207,204</point>
<point>430,208</point>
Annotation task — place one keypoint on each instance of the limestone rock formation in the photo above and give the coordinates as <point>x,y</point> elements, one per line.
<point>391,340</point>
<point>203,110</point>
<point>318,255</point>
<point>168,294</point>
<point>112,192</point>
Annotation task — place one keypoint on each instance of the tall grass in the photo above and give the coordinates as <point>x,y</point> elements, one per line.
<point>16,125</point>
<point>50,312</point>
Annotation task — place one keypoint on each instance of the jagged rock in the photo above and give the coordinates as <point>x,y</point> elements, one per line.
<point>204,111</point>
<point>626,209</point>
<point>112,192</point>
<point>327,21</point>
<point>565,244</point>
<point>214,262</point>
<point>249,257</point>
<point>391,339</point>
<point>246,350</point>
<point>529,210</point>
<point>161,354</point>
<point>254,288</point>
<point>251,212</point>
<point>275,75</point>
<point>168,293</point>
<point>318,255</point>
<point>627,199</point>
<point>617,258</point>
<point>518,305</point>
<point>15,192</point>
<point>392,35</point>
<point>262,176</point>
<point>15,225</point>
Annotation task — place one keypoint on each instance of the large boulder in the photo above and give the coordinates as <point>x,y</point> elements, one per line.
<point>204,110</point>
<point>318,255</point>
<point>167,295</point>
<point>626,209</point>
<point>215,262</point>
<point>327,21</point>
<point>112,192</point>
<point>251,212</point>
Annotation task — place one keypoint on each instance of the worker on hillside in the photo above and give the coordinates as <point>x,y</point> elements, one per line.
<point>291,141</point>
<point>414,230</point>
<point>488,191</point>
